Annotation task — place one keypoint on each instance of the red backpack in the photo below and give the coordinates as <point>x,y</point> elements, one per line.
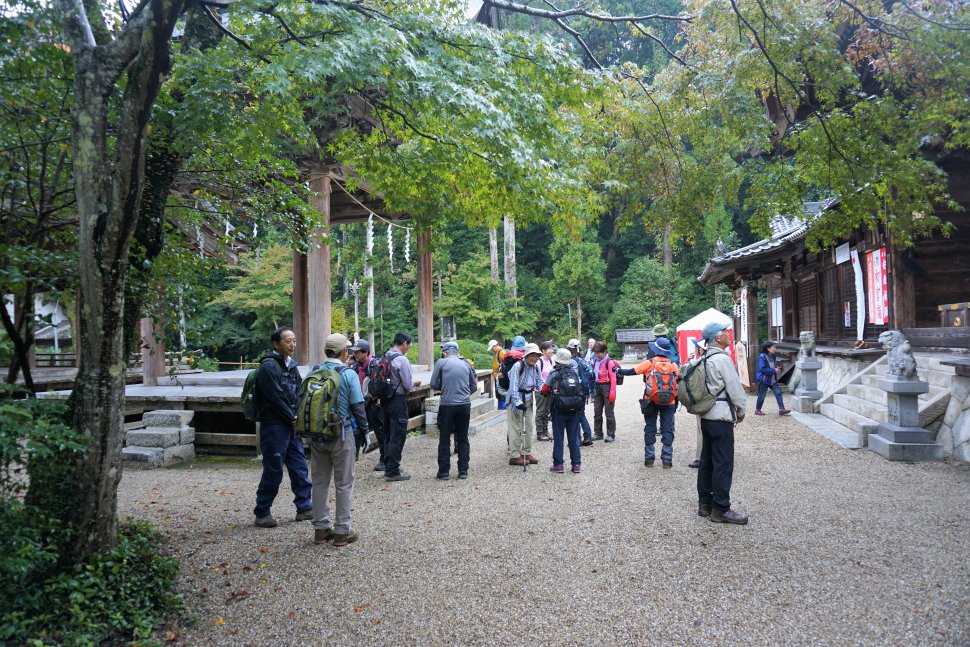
<point>661,382</point>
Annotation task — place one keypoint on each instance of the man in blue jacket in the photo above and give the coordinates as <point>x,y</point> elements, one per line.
<point>277,388</point>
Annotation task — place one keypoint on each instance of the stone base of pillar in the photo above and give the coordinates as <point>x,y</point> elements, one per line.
<point>805,403</point>
<point>882,444</point>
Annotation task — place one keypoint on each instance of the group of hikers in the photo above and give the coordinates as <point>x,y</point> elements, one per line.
<point>353,392</point>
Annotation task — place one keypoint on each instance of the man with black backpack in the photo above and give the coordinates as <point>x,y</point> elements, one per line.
<point>588,381</point>
<point>566,399</point>
<point>392,382</point>
<point>659,400</point>
<point>277,386</point>
<point>363,364</point>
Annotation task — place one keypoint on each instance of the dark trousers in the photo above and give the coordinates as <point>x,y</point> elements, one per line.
<point>567,423</point>
<point>601,402</point>
<point>666,415</point>
<point>375,420</point>
<point>717,464</point>
<point>453,419</point>
<point>281,447</point>
<point>584,425</point>
<point>395,413</point>
<point>763,391</point>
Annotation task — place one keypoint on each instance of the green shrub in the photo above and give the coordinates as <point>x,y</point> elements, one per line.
<point>475,351</point>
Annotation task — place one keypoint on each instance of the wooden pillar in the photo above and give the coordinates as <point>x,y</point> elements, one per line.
<point>903,287</point>
<point>425,301</point>
<point>152,354</point>
<point>754,344</point>
<point>318,268</point>
<point>300,307</point>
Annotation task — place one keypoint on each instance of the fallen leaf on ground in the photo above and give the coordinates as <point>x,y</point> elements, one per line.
<point>361,607</point>
<point>220,621</point>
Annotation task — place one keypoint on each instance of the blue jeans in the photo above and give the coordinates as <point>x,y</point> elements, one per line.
<point>763,391</point>
<point>584,423</point>
<point>569,423</point>
<point>281,447</point>
<point>666,414</point>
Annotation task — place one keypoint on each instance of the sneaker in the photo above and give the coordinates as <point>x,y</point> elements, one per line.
<point>339,541</point>
<point>557,468</point>
<point>784,412</point>
<point>577,468</point>
<point>694,464</point>
<point>266,522</point>
<point>322,536</point>
<point>442,477</point>
<point>728,516</point>
<point>532,459</point>
<point>611,439</point>
<point>586,442</point>
<point>759,412</point>
<point>304,515</point>
<point>541,436</point>
<point>667,466</point>
<point>400,476</point>
<point>379,467</point>
<point>704,509</point>
<point>462,475</point>
<point>648,462</point>
<point>597,436</point>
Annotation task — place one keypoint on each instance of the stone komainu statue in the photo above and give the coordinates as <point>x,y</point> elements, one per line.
<point>807,349</point>
<point>901,360</point>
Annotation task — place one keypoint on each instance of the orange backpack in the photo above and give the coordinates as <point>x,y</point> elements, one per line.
<point>661,382</point>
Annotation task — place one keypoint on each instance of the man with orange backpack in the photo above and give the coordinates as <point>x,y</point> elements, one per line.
<point>659,400</point>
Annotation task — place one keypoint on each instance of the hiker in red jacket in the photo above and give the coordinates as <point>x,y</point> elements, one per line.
<point>605,395</point>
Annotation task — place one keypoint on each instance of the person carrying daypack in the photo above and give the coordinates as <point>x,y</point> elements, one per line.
<point>567,398</point>
<point>513,355</point>
<point>365,364</point>
<point>604,397</point>
<point>524,381</point>
<point>277,383</point>
<point>660,376</point>
<point>333,417</point>
<point>588,380</point>
<point>399,382</point>
<point>660,332</point>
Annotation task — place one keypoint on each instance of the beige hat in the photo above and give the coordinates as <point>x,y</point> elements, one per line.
<point>337,343</point>
<point>563,357</point>
<point>531,349</point>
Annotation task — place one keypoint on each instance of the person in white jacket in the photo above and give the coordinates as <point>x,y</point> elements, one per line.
<point>717,428</point>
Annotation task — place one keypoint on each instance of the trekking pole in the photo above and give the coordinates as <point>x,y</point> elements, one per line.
<point>525,462</point>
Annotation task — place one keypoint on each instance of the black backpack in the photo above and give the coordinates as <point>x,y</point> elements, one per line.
<point>568,394</point>
<point>379,385</point>
<point>503,371</point>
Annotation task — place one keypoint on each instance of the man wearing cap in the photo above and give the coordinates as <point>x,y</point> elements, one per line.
<point>562,421</point>
<point>717,427</point>
<point>660,332</point>
<point>524,380</point>
<point>457,380</point>
<point>498,354</point>
<point>362,362</point>
<point>335,459</point>
<point>586,377</point>
<point>661,362</point>
<point>395,410</point>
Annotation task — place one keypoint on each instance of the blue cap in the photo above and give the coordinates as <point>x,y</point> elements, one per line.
<point>710,330</point>
<point>661,347</point>
<point>449,347</point>
<point>518,343</point>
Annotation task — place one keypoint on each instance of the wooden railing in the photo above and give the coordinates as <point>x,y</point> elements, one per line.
<point>55,360</point>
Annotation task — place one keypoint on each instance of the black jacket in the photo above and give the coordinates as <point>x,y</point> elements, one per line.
<point>277,389</point>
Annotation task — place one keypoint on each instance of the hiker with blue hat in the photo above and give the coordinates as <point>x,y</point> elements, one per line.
<point>457,380</point>
<point>660,375</point>
<point>716,470</point>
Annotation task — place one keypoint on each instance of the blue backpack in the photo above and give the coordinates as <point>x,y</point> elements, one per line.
<point>586,376</point>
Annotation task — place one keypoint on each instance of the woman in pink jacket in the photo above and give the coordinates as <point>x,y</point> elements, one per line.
<point>604,397</point>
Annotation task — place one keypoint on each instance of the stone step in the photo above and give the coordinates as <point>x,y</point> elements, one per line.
<point>870,409</point>
<point>873,393</point>
<point>167,417</point>
<point>854,421</point>
<point>155,457</point>
<point>934,377</point>
<point>160,436</point>
<point>480,406</point>
<point>485,421</point>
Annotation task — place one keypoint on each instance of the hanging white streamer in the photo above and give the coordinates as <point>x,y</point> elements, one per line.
<point>370,234</point>
<point>407,246</point>
<point>390,245</point>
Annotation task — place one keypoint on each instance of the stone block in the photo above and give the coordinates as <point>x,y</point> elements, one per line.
<point>811,394</point>
<point>960,390</point>
<point>896,434</point>
<point>893,384</point>
<point>430,417</point>
<point>933,410</point>
<point>803,404</point>
<point>432,403</point>
<point>143,457</point>
<point>902,409</point>
<point>809,365</point>
<point>153,437</point>
<point>179,454</point>
<point>961,437</point>
<point>905,451</point>
<point>186,435</point>
<point>953,412</point>
<point>167,418</point>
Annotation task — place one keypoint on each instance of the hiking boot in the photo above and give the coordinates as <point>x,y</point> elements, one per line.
<point>728,516</point>
<point>577,468</point>
<point>266,522</point>
<point>322,536</point>
<point>667,466</point>
<point>759,412</point>
<point>586,442</point>
<point>442,477</point>
<point>304,515</point>
<point>380,467</point>
<point>648,462</point>
<point>519,461</point>
<point>597,436</point>
<point>704,509</point>
<point>557,468</point>
<point>462,475</point>
<point>694,464</point>
<point>611,439</point>
<point>339,541</point>
<point>532,459</point>
<point>400,476</point>
<point>784,412</point>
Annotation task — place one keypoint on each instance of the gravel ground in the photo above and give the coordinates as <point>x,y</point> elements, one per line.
<point>843,547</point>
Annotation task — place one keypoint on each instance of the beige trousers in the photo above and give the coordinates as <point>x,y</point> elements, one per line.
<point>333,460</point>
<point>520,444</point>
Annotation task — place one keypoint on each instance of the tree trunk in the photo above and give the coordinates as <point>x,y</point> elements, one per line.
<point>109,165</point>
<point>668,247</point>
<point>579,317</point>
<point>21,333</point>
<point>511,284</point>
<point>493,251</point>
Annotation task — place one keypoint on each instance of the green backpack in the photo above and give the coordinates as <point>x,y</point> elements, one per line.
<point>694,393</point>
<point>317,416</point>
<point>250,405</point>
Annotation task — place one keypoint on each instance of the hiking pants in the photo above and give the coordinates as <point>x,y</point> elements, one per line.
<point>666,415</point>
<point>584,424</point>
<point>601,401</point>
<point>763,391</point>
<point>453,419</point>
<point>543,404</point>
<point>281,447</point>
<point>375,421</point>
<point>333,460</point>
<point>567,423</point>
<point>717,464</point>
<point>520,444</point>
<point>395,431</point>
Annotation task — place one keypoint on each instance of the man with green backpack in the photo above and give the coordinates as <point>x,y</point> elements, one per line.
<point>331,416</point>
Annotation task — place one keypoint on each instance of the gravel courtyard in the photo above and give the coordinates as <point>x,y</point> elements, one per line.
<point>843,547</point>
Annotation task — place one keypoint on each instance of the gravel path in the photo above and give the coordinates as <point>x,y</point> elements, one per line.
<point>843,547</point>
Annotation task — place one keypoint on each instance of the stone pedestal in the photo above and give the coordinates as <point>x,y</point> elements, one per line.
<point>165,440</point>
<point>901,438</point>
<point>807,392</point>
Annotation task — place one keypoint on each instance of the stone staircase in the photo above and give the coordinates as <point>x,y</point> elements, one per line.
<point>484,414</point>
<point>860,404</point>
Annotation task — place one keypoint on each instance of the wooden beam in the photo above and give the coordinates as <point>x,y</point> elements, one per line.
<point>318,268</point>
<point>245,440</point>
<point>425,300</point>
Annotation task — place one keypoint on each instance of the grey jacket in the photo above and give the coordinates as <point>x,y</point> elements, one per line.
<point>456,380</point>
<point>722,379</point>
